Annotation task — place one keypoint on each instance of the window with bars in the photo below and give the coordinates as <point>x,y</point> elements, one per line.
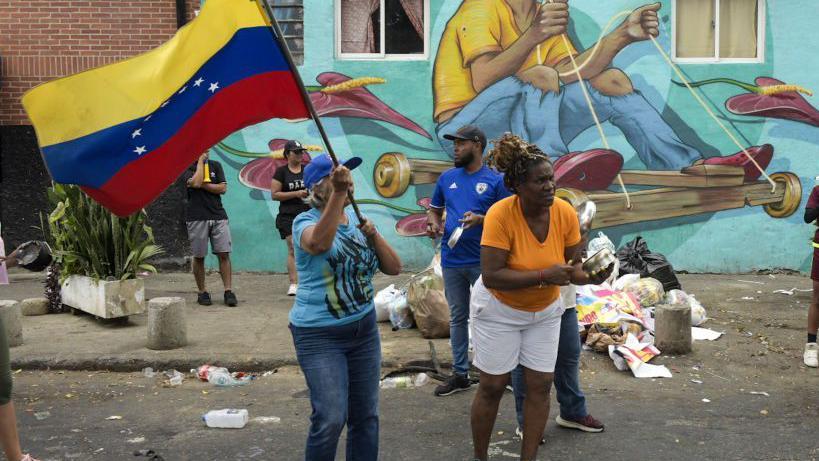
<point>728,31</point>
<point>382,29</point>
<point>290,16</point>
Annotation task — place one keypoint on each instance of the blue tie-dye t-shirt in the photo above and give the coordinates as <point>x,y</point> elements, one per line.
<point>335,287</point>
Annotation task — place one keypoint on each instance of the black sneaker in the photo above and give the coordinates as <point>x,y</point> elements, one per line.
<point>456,383</point>
<point>204,299</point>
<point>230,299</point>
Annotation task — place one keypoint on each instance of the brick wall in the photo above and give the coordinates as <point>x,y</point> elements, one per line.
<point>44,39</point>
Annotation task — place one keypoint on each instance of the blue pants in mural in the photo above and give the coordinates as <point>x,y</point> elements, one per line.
<point>552,120</point>
<point>567,380</point>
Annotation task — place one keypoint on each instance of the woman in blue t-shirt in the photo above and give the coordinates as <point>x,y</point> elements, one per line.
<point>333,319</point>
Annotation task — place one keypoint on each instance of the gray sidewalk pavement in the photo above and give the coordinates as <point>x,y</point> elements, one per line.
<point>254,336</point>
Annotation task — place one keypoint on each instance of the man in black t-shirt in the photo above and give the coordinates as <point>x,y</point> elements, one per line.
<point>207,221</point>
<point>287,187</point>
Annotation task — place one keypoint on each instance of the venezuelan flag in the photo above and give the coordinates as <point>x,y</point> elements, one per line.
<point>126,131</point>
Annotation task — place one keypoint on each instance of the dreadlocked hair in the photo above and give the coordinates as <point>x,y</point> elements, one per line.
<point>514,158</point>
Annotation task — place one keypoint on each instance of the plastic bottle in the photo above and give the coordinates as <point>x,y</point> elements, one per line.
<point>403,382</point>
<point>227,419</point>
<point>222,377</point>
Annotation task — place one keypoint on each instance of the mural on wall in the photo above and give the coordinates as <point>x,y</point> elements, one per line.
<point>678,170</point>
<point>541,100</point>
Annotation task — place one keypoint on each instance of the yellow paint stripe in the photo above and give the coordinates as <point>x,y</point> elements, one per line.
<point>80,104</point>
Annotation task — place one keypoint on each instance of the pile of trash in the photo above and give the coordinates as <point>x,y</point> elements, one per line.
<point>617,317</point>
<point>421,302</point>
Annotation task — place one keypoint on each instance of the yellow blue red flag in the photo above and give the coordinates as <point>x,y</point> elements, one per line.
<point>124,132</point>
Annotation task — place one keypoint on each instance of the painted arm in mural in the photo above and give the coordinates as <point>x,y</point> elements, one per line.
<point>388,260</point>
<point>551,20</point>
<point>640,25</point>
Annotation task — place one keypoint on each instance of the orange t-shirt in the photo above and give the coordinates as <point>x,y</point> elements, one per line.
<point>505,228</point>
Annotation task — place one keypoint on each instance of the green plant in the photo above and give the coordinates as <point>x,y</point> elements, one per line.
<point>89,240</point>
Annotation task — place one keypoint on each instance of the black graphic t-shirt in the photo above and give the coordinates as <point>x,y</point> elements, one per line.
<point>204,205</point>
<point>291,182</point>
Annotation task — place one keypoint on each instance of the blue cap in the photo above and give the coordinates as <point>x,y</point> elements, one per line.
<point>321,167</point>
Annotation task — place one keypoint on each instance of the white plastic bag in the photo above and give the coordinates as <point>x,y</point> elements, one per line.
<point>382,302</point>
<point>598,243</point>
<point>698,314</point>
<point>624,281</point>
<point>400,313</point>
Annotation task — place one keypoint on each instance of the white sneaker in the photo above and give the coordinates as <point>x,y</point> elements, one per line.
<point>812,355</point>
<point>294,287</point>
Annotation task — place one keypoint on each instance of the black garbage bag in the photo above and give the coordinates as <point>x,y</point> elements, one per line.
<point>636,258</point>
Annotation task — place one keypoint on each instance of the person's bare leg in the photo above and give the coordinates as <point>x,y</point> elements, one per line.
<point>198,266</point>
<point>612,82</point>
<point>225,270</point>
<point>485,409</point>
<point>8,432</point>
<point>813,312</point>
<point>544,78</point>
<point>291,261</point>
<point>535,411</point>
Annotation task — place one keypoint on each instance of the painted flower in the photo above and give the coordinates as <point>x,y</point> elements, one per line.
<point>769,98</point>
<point>412,225</point>
<point>342,96</point>
<point>258,173</point>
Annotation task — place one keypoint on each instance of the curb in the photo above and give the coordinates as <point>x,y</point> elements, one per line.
<point>127,365</point>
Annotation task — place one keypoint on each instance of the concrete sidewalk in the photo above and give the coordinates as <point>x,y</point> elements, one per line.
<point>254,336</point>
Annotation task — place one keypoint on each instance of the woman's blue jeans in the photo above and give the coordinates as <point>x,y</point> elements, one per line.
<point>342,366</point>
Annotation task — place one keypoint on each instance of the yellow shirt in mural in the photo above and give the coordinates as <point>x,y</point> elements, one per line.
<point>477,28</point>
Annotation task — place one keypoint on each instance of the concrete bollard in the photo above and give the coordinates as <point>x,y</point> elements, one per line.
<point>34,306</point>
<point>12,321</point>
<point>672,328</point>
<point>167,328</point>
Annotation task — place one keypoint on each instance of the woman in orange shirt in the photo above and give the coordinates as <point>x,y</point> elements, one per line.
<point>516,307</point>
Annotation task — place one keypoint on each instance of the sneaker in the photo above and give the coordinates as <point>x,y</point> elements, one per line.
<point>762,155</point>
<point>28,458</point>
<point>230,298</point>
<point>586,424</point>
<point>593,169</point>
<point>293,289</point>
<point>204,299</point>
<point>456,383</point>
<point>812,355</point>
<point>519,433</point>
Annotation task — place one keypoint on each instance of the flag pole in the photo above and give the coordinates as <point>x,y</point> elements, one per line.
<point>306,97</point>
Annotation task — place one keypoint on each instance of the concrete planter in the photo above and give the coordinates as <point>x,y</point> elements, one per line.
<point>103,299</point>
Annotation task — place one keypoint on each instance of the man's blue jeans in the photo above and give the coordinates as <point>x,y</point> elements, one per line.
<point>458,283</point>
<point>342,366</point>
<point>567,380</point>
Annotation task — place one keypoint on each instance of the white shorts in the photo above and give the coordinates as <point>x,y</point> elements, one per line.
<point>504,337</point>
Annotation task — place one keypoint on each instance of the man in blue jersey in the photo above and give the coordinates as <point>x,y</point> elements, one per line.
<point>466,192</point>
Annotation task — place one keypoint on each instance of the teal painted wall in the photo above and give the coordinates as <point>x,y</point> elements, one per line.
<point>725,241</point>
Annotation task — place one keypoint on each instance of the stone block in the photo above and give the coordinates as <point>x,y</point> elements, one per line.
<point>672,329</point>
<point>34,306</point>
<point>167,327</point>
<point>11,316</point>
